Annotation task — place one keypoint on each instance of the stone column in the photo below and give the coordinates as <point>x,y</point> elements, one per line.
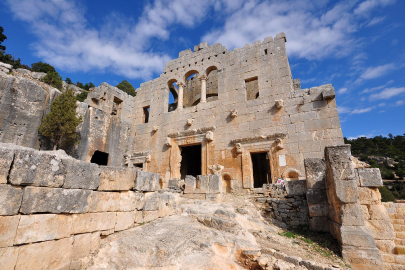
<point>180,98</point>
<point>203,80</point>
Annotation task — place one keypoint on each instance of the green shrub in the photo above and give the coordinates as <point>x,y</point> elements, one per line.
<point>53,78</point>
<point>386,195</point>
<point>82,96</point>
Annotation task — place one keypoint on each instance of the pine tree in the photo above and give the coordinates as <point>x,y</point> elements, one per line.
<point>126,87</point>
<point>60,124</point>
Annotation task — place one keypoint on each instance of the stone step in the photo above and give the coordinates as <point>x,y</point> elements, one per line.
<point>399,228</point>
<point>400,250</point>
<point>398,221</point>
<point>400,235</point>
<point>399,242</point>
<point>395,266</point>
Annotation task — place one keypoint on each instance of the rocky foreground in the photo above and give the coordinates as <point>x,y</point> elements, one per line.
<point>205,235</point>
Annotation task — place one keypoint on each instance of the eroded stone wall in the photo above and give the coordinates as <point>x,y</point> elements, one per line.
<point>54,209</point>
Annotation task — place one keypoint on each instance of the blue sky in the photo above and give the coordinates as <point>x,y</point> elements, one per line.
<point>358,46</point>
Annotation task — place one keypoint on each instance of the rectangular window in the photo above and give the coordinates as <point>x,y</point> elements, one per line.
<point>146,114</point>
<point>116,106</point>
<point>252,88</point>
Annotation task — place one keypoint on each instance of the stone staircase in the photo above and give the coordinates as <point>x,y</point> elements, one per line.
<point>396,213</point>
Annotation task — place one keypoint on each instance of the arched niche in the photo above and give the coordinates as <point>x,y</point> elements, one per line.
<point>192,90</point>
<point>173,95</point>
<point>212,83</point>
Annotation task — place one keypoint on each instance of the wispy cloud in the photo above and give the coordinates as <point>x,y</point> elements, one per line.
<point>375,72</point>
<point>347,110</point>
<point>376,20</point>
<point>342,90</point>
<point>388,93</point>
<point>359,111</point>
<point>399,102</point>
<point>365,7</point>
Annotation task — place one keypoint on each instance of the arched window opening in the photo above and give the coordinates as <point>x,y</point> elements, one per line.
<point>226,183</point>
<point>192,90</point>
<point>252,88</point>
<point>173,95</point>
<point>212,84</point>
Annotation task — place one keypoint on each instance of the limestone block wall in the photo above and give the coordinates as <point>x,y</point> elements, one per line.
<point>55,209</point>
<point>287,205</point>
<point>305,120</point>
<point>395,253</point>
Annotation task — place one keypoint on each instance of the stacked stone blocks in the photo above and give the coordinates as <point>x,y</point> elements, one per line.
<point>396,214</point>
<point>54,209</point>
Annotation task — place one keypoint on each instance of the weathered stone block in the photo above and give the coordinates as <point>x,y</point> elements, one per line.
<point>104,202</point>
<point>125,220</point>
<point>319,224</point>
<point>10,200</point>
<point>46,255</point>
<point>190,184</point>
<point>213,197</point>
<point>35,168</point>
<point>174,183</point>
<point>356,236</point>
<point>318,210</point>
<point>38,228</point>
<point>347,214</point>
<point>339,165</point>
<point>167,205</point>
<point>345,191</point>
<point>55,200</point>
<point>8,258</point>
<point>203,182</point>
<point>130,201</point>
<point>91,222</point>
<point>8,230</point>
<point>81,174</point>
<point>146,181</point>
<point>152,202</point>
<point>378,212</point>
<point>148,216</point>
<point>317,196</point>
<point>328,93</point>
<point>215,185</point>
<point>138,217</point>
<point>363,258</point>
<point>381,229</point>
<point>81,246</point>
<point>315,170</point>
<point>296,187</point>
<point>370,177</point>
<point>6,158</point>
<point>385,246</point>
<point>113,178</point>
<point>369,195</point>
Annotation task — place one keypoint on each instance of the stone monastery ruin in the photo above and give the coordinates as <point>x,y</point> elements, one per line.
<point>239,124</point>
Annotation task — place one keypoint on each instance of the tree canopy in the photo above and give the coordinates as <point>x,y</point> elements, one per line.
<point>126,87</point>
<point>42,67</point>
<point>53,78</point>
<point>2,38</point>
<point>60,124</point>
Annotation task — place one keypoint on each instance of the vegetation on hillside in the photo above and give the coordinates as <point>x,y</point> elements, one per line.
<point>126,87</point>
<point>59,125</point>
<point>387,154</point>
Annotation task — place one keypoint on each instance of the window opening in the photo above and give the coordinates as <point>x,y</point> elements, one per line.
<point>173,95</point>
<point>146,114</point>
<point>192,90</point>
<point>261,169</point>
<point>252,88</point>
<point>138,165</point>
<point>265,51</point>
<point>190,161</point>
<point>100,158</point>
<point>116,106</point>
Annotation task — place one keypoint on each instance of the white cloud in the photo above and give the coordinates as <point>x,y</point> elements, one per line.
<point>375,72</point>
<point>343,110</point>
<point>376,20</point>
<point>366,6</point>
<point>342,90</point>
<point>361,136</point>
<point>382,104</point>
<point>359,111</point>
<point>388,93</point>
<point>399,102</point>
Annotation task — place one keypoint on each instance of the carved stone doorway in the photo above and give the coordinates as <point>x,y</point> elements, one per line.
<point>190,161</point>
<point>261,169</point>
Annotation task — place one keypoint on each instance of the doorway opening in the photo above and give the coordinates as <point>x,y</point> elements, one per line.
<point>138,165</point>
<point>261,169</point>
<point>100,158</point>
<point>190,161</point>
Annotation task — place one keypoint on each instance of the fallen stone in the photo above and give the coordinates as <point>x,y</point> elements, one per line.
<point>55,200</point>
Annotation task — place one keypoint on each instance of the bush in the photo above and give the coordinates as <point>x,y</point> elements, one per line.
<point>386,195</point>
<point>82,96</point>
<point>43,67</point>
<point>54,79</point>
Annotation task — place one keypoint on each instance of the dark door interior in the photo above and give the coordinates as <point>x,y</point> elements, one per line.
<point>261,169</point>
<point>100,158</point>
<point>191,161</point>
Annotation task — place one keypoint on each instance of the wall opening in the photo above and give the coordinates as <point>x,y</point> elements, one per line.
<point>100,158</point>
<point>261,169</point>
<point>117,105</point>
<point>138,165</point>
<point>173,95</point>
<point>145,114</point>
<point>252,88</point>
<point>192,90</point>
<point>212,84</point>
<point>190,160</point>
<point>226,183</point>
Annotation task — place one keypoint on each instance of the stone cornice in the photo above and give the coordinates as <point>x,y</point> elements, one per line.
<point>259,138</point>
